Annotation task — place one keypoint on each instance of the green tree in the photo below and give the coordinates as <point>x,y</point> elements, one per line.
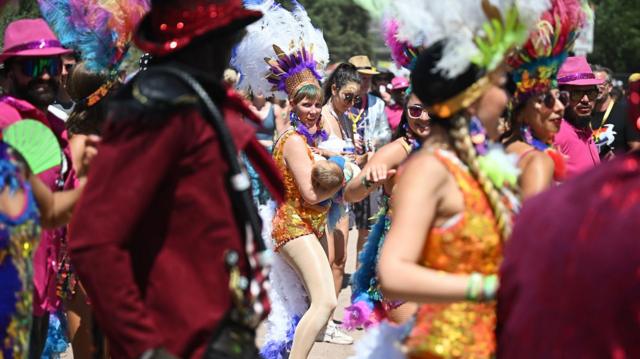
<point>617,35</point>
<point>15,10</point>
<point>344,24</point>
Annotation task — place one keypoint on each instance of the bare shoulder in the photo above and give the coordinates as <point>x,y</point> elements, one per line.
<point>295,142</point>
<point>425,166</point>
<point>538,161</point>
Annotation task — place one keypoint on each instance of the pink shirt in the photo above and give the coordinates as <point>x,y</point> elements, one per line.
<point>394,115</point>
<point>578,147</point>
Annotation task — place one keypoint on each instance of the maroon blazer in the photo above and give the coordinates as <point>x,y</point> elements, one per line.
<point>150,232</point>
<point>570,280</point>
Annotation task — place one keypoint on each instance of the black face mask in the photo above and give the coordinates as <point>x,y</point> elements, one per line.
<point>573,118</point>
<point>30,92</point>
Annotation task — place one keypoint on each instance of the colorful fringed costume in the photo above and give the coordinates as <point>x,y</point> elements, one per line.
<point>19,236</point>
<point>537,62</point>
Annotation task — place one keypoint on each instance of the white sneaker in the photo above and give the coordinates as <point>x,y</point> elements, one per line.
<point>334,335</point>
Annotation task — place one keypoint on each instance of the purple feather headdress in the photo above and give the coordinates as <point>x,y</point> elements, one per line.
<point>289,72</point>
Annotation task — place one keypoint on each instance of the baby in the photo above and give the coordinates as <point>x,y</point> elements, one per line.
<point>328,176</point>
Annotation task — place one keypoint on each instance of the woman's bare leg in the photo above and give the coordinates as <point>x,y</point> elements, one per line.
<point>306,256</point>
<point>335,245</point>
<point>403,313</point>
<point>80,325</point>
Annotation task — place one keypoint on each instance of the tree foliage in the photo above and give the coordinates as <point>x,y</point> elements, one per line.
<point>617,35</point>
<point>16,10</point>
<point>344,24</point>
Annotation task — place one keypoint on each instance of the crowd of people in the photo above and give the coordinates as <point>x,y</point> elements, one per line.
<point>166,212</point>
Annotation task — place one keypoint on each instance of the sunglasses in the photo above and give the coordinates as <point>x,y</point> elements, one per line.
<point>549,99</point>
<point>415,111</point>
<point>577,95</point>
<point>351,98</point>
<point>35,67</point>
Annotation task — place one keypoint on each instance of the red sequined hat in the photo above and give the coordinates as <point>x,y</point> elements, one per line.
<point>173,24</point>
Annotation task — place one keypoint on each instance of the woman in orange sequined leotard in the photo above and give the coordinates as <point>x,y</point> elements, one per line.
<point>299,222</point>
<point>445,242</point>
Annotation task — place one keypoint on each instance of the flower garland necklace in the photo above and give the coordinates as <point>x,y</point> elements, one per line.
<point>560,168</point>
<point>415,143</point>
<point>528,137</point>
<point>302,129</point>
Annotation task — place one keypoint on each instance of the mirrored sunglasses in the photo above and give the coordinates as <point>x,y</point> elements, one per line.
<point>35,67</point>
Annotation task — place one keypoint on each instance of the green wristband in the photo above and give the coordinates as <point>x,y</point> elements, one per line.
<point>490,287</point>
<point>474,288</point>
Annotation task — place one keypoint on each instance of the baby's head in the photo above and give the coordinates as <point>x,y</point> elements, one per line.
<point>327,176</point>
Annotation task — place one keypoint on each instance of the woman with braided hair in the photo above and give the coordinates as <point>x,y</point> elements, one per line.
<point>449,220</point>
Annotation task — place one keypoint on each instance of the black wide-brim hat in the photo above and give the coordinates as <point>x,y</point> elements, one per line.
<point>171,25</point>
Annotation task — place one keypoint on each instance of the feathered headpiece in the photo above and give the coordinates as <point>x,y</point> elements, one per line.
<point>473,31</point>
<point>100,30</point>
<point>537,62</point>
<point>403,53</point>
<point>300,51</point>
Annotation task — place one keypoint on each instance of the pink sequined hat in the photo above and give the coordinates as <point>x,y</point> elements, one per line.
<point>30,37</point>
<point>575,71</point>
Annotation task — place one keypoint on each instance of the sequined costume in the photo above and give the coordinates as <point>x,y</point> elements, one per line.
<point>293,219</point>
<point>19,237</point>
<point>473,244</point>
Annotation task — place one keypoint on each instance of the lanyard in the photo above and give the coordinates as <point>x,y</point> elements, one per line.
<point>606,115</point>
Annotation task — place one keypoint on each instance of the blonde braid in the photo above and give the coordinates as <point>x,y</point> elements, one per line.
<point>467,153</point>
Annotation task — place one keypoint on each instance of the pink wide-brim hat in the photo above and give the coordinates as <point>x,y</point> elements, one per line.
<point>399,83</point>
<point>575,71</point>
<point>31,37</point>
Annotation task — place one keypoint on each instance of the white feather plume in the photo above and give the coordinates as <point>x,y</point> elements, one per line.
<point>286,290</point>
<point>287,30</point>
<point>457,23</point>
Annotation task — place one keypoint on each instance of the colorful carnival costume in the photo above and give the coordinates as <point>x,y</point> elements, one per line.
<point>19,236</point>
<point>463,45</point>
<point>38,150</point>
<point>472,244</point>
<point>293,219</point>
<point>300,54</point>
<point>537,62</point>
<point>178,158</point>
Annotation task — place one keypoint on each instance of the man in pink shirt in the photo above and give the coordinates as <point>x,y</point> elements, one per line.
<point>578,89</point>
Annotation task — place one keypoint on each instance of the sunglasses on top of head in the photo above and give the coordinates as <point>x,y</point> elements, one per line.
<point>35,67</point>
<point>351,98</point>
<point>416,111</point>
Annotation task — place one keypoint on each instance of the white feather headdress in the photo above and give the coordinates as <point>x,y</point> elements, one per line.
<point>481,32</point>
<point>290,43</point>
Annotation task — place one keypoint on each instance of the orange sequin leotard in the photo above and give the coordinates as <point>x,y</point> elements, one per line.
<point>473,244</point>
<point>293,219</point>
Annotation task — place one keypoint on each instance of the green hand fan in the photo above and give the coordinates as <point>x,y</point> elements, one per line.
<point>35,142</point>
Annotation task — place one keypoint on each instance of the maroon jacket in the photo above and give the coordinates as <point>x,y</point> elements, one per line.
<point>570,281</point>
<point>150,232</point>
